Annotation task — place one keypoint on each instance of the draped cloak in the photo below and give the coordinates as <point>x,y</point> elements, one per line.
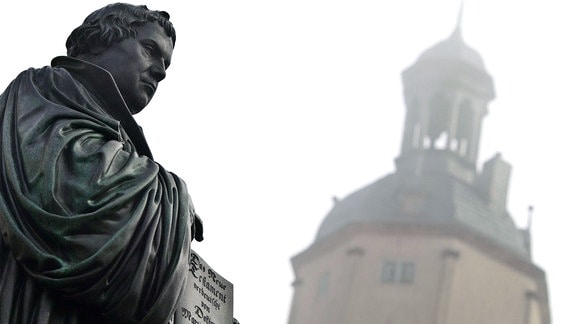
<point>93,230</point>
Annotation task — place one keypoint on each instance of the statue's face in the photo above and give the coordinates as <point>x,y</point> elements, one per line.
<point>138,64</point>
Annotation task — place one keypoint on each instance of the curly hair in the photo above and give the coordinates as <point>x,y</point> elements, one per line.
<point>114,23</point>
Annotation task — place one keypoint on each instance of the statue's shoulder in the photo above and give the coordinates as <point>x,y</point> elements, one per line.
<point>46,73</point>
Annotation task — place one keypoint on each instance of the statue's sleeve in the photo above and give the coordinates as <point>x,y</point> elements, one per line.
<point>85,214</point>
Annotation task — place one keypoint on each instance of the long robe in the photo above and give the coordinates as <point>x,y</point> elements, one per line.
<point>93,229</point>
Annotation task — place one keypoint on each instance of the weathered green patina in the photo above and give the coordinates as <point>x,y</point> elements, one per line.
<point>93,229</point>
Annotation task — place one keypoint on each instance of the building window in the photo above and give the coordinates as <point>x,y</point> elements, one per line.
<point>400,272</point>
<point>389,271</point>
<point>323,285</point>
<point>407,272</point>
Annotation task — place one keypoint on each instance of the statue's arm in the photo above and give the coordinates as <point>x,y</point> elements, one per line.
<point>103,226</point>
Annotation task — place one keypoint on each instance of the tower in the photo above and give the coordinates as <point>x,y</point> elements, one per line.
<point>432,242</point>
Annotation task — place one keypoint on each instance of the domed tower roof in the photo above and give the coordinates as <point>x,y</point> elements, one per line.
<point>454,49</point>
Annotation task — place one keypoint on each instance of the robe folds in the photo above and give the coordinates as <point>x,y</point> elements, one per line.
<point>93,229</point>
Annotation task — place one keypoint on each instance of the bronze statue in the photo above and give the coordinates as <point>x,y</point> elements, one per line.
<point>93,229</point>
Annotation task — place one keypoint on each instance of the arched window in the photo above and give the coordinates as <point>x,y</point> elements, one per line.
<point>439,121</point>
<point>413,126</point>
<point>465,127</point>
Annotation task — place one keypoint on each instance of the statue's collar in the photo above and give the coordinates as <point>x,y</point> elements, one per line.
<point>98,80</point>
<point>101,83</point>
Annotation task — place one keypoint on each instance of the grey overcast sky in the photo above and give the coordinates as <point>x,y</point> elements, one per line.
<point>271,108</point>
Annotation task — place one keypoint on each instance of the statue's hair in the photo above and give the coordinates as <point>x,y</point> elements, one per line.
<point>114,23</point>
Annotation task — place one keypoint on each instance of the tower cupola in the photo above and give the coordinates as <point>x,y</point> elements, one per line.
<point>446,92</point>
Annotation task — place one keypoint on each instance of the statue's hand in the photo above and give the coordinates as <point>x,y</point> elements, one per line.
<point>197,228</point>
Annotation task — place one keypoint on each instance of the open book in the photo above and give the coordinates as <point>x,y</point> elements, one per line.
<point>207,297</point>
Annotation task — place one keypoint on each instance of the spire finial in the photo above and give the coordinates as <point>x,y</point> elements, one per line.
<point>458,30</point>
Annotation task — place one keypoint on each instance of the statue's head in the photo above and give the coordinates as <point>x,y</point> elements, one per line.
<point>113,23</point>
<point>131,42</point>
